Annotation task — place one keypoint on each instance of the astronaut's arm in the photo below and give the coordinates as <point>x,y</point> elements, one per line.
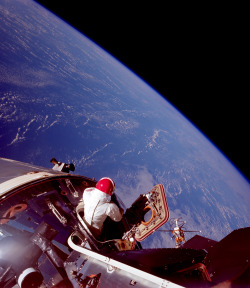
<point>114,212</point>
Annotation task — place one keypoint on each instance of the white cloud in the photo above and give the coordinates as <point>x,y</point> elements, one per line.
<point>132,185</point>
<point>88,158</point>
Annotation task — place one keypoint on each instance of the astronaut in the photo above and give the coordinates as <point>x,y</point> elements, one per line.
<point>60,166</point>
<point>98,205</point>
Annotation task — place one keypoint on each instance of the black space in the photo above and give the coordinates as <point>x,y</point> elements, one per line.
<point>194,56</point>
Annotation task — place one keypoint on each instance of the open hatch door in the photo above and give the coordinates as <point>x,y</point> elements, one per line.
<point>156,211</point>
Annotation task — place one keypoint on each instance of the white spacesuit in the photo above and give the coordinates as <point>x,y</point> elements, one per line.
<point>63,167</point>
<point>98,205</point>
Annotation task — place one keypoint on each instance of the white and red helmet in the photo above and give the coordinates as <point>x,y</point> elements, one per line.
<point>106,185</point>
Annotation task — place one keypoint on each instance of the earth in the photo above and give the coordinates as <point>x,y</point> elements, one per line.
<point>63,96</point>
